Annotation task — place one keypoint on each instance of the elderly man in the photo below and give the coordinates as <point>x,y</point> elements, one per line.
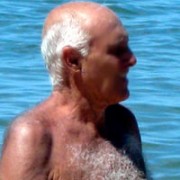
<point>79,132</point>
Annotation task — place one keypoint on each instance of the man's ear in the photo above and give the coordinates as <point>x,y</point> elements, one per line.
<point>71,58</point>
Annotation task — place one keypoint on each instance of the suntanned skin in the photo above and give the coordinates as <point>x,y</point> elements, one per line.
<point>81,113</point>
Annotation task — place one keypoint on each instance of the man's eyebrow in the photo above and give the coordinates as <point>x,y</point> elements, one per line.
<point>120,41</point>
<point>124,38</point>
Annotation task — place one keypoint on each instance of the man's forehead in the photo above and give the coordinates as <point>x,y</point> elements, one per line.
<point>122,37</point>
<point>114,33</point>
<point>81,9</point>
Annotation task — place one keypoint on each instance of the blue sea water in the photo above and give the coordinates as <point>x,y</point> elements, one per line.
<point>154,30</point>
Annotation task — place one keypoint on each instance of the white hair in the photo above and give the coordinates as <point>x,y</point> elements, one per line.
<point>68,32</point>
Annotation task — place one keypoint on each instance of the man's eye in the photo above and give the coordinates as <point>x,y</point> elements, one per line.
<point>119,51</point>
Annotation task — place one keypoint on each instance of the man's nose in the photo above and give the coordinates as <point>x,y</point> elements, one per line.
<point>132,60</point>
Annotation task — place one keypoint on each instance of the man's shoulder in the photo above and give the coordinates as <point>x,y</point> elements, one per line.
<point>27,143</point>
<point>30,121</point>
<point>26,129</point>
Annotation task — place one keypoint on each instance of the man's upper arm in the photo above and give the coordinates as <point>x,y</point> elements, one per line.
<point>23,153</point>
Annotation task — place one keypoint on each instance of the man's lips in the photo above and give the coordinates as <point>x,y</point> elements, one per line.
<point>123,74</point>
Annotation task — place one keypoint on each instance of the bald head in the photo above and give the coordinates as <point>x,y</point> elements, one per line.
<point>88,13</point>
<point>74,24</point>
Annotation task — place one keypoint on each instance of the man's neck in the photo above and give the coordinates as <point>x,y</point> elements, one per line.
<point>78,107</point>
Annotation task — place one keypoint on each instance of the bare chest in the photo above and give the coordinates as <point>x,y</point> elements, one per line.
<point>100,161</point>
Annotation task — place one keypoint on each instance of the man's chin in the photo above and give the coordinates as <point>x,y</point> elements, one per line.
<point>120,98</point>
<point>125,95</point>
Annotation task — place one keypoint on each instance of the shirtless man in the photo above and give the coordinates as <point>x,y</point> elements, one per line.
<point>79,132</point>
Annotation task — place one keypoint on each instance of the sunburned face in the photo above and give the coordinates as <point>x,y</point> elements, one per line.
<point>106,68</point>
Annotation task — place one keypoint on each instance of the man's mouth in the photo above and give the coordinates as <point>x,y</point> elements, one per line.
<point>123,75</point>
